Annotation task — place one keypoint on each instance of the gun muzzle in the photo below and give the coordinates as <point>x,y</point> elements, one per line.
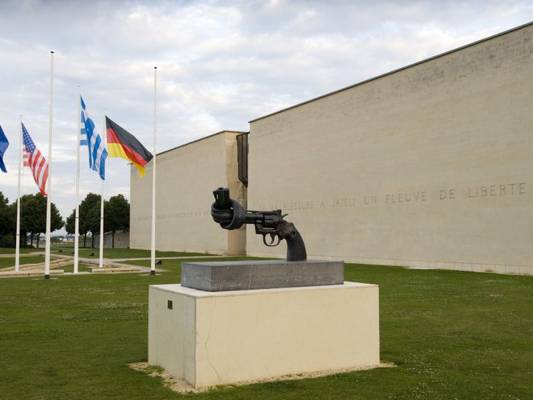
<point>222,199</point>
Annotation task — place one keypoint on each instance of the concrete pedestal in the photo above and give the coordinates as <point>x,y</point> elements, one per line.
<point>216,338</point>
<point>219,276</point>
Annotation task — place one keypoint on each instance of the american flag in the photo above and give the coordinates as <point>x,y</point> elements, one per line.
<point>36,161</point>
<point>26,158</point>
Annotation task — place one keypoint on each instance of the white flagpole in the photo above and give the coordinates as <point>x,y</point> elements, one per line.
<point>17,239</point>
<point>152,256</point>
<point>77,215</point>
<point>49,183</point>
<point>101,261</point>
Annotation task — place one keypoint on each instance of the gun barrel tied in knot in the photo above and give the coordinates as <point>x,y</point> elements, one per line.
<point>230,214</point>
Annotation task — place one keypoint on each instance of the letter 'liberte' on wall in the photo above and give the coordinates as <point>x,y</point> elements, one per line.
<point>428,166</point>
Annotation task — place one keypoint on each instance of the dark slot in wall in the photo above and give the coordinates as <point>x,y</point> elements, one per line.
<point>242,157</point>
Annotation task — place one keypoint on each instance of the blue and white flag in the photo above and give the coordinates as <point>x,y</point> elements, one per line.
<point>93,141</point>
<point>4,143</point>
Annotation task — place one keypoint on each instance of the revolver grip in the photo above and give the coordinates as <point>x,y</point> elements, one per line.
<point>295,243</point>
<point>296,247</point>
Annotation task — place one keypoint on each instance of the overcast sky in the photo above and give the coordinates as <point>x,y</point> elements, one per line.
<point>221,64</point>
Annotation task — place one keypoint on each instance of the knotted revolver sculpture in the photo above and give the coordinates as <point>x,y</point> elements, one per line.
<point>230,214</point>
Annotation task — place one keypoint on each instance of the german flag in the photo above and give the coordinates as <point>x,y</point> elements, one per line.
<point>121,143</point>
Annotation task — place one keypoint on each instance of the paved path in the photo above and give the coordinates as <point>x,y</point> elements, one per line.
<point>61,260</point>
<point>168,258</point>
<point>93,260</point>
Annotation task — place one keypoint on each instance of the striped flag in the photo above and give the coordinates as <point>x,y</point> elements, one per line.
<point>83,135</point>
<point>26,158</point>
<point>123,144</point>
<point>93,141</point>
<point>36,161</point>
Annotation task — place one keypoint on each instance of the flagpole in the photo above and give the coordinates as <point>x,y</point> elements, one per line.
<point>101,261</point>
<point>49,182</point>
<point>17,238</point>
<point>152,255</point>
<point>77,215</point>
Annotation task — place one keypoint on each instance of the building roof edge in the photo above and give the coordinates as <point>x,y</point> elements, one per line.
<point>199,140</point>
<point>516,28</point>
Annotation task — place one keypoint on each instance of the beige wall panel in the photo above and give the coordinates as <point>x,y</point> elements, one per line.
<point>186,177</point>
<point>171,340</point>
<point>428,166</point>
<point>221,338</point>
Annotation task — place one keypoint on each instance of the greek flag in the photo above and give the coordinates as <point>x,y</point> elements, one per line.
<point>93,141</point>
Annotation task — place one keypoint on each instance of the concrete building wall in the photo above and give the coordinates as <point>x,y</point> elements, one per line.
<point>429,166</point>
<point>186,177</point>
<point>122,240</point>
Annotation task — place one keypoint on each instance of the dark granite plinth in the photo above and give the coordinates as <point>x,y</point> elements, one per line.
<point>247,275</point>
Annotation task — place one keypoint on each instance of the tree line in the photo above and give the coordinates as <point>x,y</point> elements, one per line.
<point>33,218</point>
<point>116,217</point>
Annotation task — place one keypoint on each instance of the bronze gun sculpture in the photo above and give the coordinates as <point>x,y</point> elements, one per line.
<point>230,214</point>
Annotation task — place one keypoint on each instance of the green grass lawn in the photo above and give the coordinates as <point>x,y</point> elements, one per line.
<point>452,335</point>
<point>121,253</point>
<point>6,262</point>
<point>8,250</point>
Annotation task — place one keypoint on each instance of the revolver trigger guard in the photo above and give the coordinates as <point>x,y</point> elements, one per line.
<point>272,242</point>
